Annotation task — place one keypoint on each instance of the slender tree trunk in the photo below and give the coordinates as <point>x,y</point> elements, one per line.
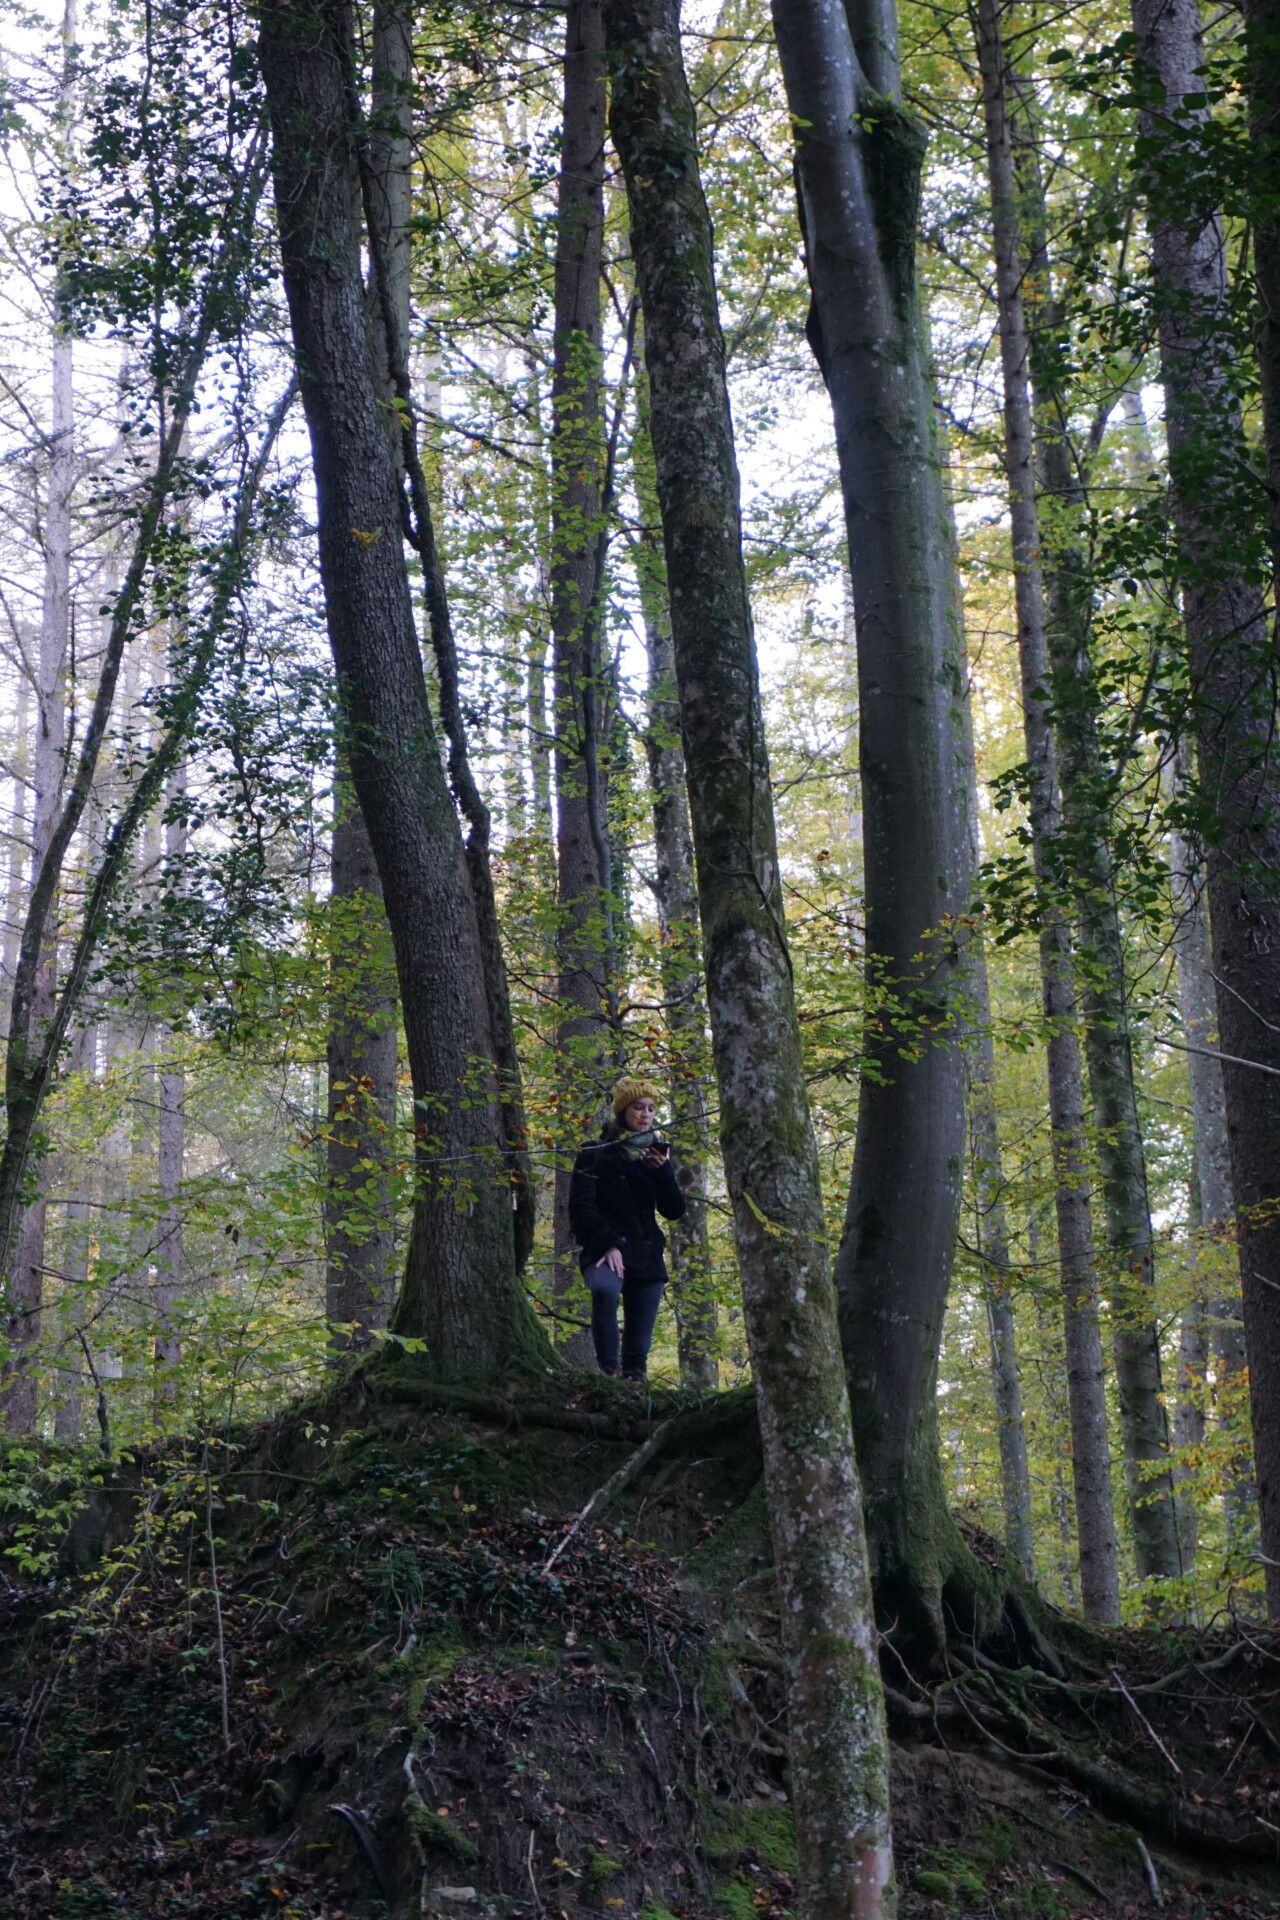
<point>1231,665</point>
<point>68,1402</point>
<point>460,1290</point>
<point>1198,1005</point>
<point>1084,870</point>
<point>1099,1572</point>
<point>170,1154</point>
<point>19,838</point>
<point>997,1274</point>
<point>1262,42</point>
<point>839,1756</point>
<point>681,970</point>
<point>26,1272</point>
<point>577,476</point>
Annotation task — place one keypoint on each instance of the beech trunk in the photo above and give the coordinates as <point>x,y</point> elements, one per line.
<point>460,1291</point>
<point>839,1779</point>
<point>1099,1569</point>
<point>1231,665</point>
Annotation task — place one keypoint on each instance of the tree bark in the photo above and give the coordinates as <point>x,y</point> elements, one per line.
<point>361,1056</point>
<point>992,1240</point>
<point>1083,869</point>
<point>1198,1005</point>
<point>460,1291</point>
<point>681,969</point>
<point>583,865</point>
<point>1262,45</point>
<point>839,1756</point>
<point>859,157</point>
<point>1232,700</point>
<point>362,1041</point>
<point>171,1130</point>
<point>26,1272</point>
<point>1099,1572</point>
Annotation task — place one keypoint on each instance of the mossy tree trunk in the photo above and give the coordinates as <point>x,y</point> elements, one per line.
<point>460,1291</point>
<point>835,1702</point>
<point>583,864</point>
<point>680,964</point>
<point>1231,664</point>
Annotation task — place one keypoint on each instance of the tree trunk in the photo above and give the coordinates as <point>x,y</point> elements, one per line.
<point>839,1755</point>
<point>583,866</point>
<point>1099,1572</point>
<point>1262,44</point>
<point>676,896</point>
<point>859,157</point>
<point>460,1290</point>
<point>26,1272</point>
<point>362,1042</point>
<point>1084,868</point>
<point>170,1155</point>
<point>1198,1006</point>
<point>1233,705</point>
<point>361,1118</point>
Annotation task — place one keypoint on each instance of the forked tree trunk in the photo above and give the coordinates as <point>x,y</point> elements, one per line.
<point>583,866</point>
<point>1232,677</point>
<point>460,1291</point>
<point>859,156</point>
<point>1099,1571</point>
<point>839,1779</point>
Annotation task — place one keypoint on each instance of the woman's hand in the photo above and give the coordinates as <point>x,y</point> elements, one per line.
<point>656,1156</point>
<point>613,1260</point>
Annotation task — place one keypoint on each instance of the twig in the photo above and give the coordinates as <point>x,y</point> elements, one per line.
<point>537,1897</point>
<point>1086,1880</point>
<point>604,1496</point>
<point>104,1422</point>
<point>1149,1869</point>
<point>368,1846</point>
<point>1143,1721</point>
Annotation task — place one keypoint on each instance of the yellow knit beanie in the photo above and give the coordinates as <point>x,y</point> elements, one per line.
<point>630,1089</point>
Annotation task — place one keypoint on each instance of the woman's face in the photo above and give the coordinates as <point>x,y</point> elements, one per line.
<point>638,1117</point>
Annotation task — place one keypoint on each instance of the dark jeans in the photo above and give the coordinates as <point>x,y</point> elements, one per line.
<point>640,1302</point>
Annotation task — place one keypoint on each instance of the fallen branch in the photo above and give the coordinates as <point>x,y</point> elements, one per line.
<point>605,1496</point>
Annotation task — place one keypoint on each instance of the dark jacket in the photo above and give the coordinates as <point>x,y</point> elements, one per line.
<point>613,1201</point>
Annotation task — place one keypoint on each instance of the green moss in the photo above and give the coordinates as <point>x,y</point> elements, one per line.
<point>601,1869</point>
<point>430,1829</point>
<point>432,1659</point>
<point>932,1884</point>
<point>656,1911</point>
<point>738,1548</point>
<point>734,1900</point>
<point>768,1831</point>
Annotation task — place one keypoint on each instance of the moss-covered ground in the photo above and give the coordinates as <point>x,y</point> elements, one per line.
<point>378,1698</point>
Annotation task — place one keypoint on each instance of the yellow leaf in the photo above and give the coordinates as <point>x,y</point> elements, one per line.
<point>366,539</point>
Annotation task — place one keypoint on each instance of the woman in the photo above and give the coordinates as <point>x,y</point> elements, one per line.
<point>616,1187</point>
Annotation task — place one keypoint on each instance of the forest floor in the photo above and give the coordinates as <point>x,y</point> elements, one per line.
<point>401,1685</point>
